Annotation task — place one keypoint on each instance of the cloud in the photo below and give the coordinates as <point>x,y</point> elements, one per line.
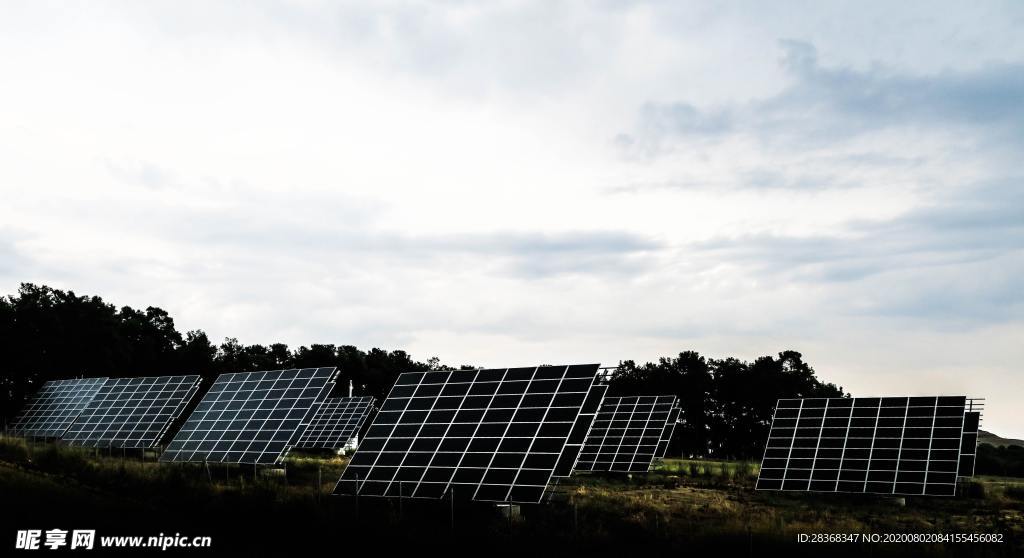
<point>11,258</point>
<point>978,224</point>
<point>521,254</point>
<point>684,119</point>
<point>959,259</point>
<point>540,255</point>
<point>853,101</point>
<point>141,173</point>
<point>252,227</point>
<point>823,104</point>
<point>17,261</point>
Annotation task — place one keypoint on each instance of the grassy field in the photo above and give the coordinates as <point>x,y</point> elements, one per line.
<point>683,506</point>
<point>716,499</point>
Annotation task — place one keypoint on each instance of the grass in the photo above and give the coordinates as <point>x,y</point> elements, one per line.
<point>709,468</point>
<point>681,506</point>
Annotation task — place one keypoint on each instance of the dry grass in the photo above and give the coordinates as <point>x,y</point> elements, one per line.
<point>680,504</point>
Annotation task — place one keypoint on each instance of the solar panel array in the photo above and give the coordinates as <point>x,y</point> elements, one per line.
<point>338,421</point>
<point>889,445</point>
<point>670,428</point>
<point>132,412</point>
<point>627,434</point>
<point>251,417</point>
<point>491,435</point>
<point>57,404</point>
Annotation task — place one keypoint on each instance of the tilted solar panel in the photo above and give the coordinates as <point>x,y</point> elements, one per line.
<point>57,404</point>
<point>670,429</point>
<point>580,430</point>
<point>490,435</point>
<point>626,434</point>
<point>969,444</point>
<point>888,445</point>
<point>338,420</point>
<point>251,417</point>
<point>132,412</point>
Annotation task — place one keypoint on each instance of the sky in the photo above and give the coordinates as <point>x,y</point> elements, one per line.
<point>514,183</point>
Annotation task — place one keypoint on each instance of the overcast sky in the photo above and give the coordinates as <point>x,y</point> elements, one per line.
<point>514,183</point>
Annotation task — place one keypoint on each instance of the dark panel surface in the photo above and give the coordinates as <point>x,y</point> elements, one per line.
<point>251,417</point>
<point>666,437</point>
<point>132,412</point>
<point>55,407</point>
<point>888,445</point>
<point>338,420</point>
<point>969,444</point>
<point>490,435</point>
<point>627,434</point>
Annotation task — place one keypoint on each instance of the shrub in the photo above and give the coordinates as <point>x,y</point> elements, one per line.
<point>975,489</point>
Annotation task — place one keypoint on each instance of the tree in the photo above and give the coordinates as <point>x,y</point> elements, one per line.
<point>315,355</point>
<point>196,355</point>
<point>727,404</point>
<point>46,333</point>
<point>149,340</point>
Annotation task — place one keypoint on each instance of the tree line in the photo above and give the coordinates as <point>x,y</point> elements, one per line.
<point>48,334</point>
<point>726,404</point>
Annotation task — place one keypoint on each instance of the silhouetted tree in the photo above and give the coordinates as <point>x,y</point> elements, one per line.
<point>315,355</point>
<point>1005,461</point>
<point>50,334</point>
<point>727,404</point>
<point>196,355</point>
<point>150,340</point>
<point>47,333</point>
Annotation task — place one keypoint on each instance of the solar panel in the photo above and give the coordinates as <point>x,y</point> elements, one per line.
<point>338,421</point>
<point>57,404</point>
<point>494,435</point>
<point>888,445</point>
<point>132,412</point>
<point>251,417</point>
<point>580,430</point>
<point>627,434</point>
<point>666,436</point>
<point>969,444</point>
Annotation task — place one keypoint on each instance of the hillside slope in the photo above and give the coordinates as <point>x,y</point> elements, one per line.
<point>994,440</point>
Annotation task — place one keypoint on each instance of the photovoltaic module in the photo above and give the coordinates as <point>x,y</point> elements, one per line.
<point>969,443</point>
<point>888,445</point>
<point>490,435</point>
<point>627,434</point>
<point>338,421</point>
<point>55,407</point>
<point>670,428</point>
<point>251,417</point>
<point>132,412</point>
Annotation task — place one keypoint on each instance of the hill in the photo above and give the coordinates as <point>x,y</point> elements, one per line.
<point>996,441</point>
